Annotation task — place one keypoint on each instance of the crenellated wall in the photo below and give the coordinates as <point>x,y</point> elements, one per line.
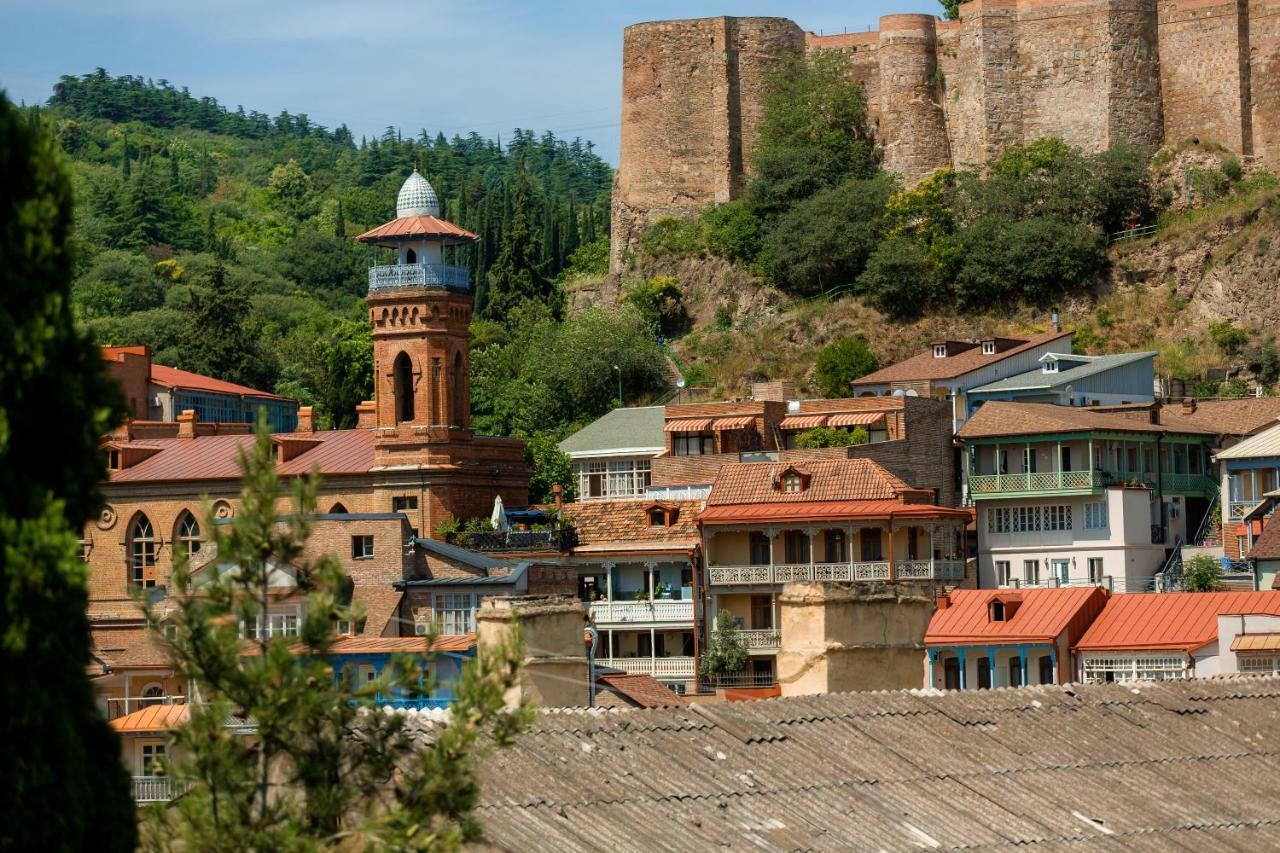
<point>949,93</point>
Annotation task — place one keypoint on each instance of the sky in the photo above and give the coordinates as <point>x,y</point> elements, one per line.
<point>470,65</point>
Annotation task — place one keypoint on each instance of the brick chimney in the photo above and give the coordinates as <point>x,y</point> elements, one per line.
<point>306,419</point>
<point>554,666</point>
<point>840,637</point>
<point>1188,405</point>
<point>558,491</point>
<point>187,424</point>
<point>367,415</point>
<point>943,601</point>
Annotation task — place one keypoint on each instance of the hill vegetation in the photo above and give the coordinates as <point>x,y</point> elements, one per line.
<point>224,239</point>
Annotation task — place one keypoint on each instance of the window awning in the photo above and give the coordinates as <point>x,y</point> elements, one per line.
<point>739,422</point>
<point>803,421</point>
<point>847,419</point>
<point>1256,643</point>
<point>688,425</point>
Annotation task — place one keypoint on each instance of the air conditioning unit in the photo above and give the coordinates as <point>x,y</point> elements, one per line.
<point>420,629</point>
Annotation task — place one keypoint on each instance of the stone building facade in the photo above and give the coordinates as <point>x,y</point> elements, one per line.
<point>949,93</point>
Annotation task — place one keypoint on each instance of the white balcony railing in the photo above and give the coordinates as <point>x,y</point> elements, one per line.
<point>156,789</point>
<point>1237,510</point>
<point>761,639</point>
<point>666,669</point>
<point>861,571</point>
<point>432,276</point>
<point>641,612</point>
<point>118,706</point>
<point>1057,583</point>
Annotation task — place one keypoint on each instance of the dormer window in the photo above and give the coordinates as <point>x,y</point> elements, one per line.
<point>988,347</point>
<point>657,517</point>
<point>113,460</point>
<point>791,480</point>
<point>939,350</point>
<point>660,515</point>
<point>995,611</point>
<point>1051,367</point>
<point>791,484</point>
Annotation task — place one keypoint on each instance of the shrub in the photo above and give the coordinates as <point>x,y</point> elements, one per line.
<point>732,231</point>
<point>672,236</point>
<point>831,437</point>
<point>839,364</point>
<point>726,652</point>
<point>588,259</point>
<point>1202,574</point>
<point>899,279</point>
<point>661,304</point>
<point>1228,338</point>
<point>1232,169</point>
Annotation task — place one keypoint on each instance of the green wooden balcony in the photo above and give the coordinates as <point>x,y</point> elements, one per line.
<point>1081,483</point>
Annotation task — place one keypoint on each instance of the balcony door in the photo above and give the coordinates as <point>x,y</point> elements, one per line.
<point>872,549</point>
<point>1061,570</point>
<point>761,612</point>
<point>759,549</point>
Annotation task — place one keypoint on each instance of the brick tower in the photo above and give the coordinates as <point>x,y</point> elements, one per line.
<point>420,310</point>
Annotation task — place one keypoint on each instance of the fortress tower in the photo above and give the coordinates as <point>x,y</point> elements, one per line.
<point>949,93</point>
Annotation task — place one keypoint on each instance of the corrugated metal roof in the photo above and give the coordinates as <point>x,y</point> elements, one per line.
<point>1170,620</point>
<point>636,429</point>
<point>1037,379</point>
<point>1265,443</point>
<point>1146,766</point>
<point>1256,643</point>
<point>216,457</point>
<point>1040,615</point>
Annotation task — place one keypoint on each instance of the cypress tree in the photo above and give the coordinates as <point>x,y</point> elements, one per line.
<point>64,786</point>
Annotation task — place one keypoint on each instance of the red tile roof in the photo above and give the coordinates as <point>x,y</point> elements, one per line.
<point>611,526</point>
<point>1267,545</point>
<point>1041,615</point>
<point>829,480</point>
<point>644,690</point>
<point>216,457</point>
<point>751,513</point>
<point>172,377</point>
<point>925,366</point>
<point>153,718</point>
<point>1243,416</point>
<point>417,226</point>
<point>385,645</point>
<point>1183,621</point>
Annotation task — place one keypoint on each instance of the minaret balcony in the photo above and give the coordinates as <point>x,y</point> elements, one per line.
<point>430,276</point>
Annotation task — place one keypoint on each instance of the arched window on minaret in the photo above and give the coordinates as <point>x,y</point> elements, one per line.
<point>402,376</point>
<point>459,398</point>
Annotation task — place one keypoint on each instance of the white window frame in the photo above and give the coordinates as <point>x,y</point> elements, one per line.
<point>150,755</point>
<point>454,612</point>
<point>1003,573</point>
<point>939,350</point>
<point>1096,568</point>
<point>1259,664</point>
<point>1031,572</point>
<point>988,347</point>
<point>362,540</point>
<point>1095,515</point>
<point>1135,666</point>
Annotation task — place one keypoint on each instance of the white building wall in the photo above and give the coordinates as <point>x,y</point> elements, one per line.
<point>1230,627</point>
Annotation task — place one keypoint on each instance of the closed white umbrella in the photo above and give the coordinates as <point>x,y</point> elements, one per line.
<point>499,517</point>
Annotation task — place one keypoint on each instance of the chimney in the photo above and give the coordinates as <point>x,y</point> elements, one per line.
<point>558,491</point>
<point>1188,405</point>
<point>839,637</point>
<point>943,601</point>
<point>554,669</point>
<point>187,424</point>
<point>1056,322</point>
<point>367,415</point>
<point>306,419</point>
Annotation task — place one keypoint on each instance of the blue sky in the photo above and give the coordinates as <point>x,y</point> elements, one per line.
<point>480,65</point>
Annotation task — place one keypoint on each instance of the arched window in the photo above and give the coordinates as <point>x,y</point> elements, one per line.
<point>410,256</point>
<point>337,509</point>
<point>187,535</point>
<point>142,552</point>
<point>402,374</point>
<point>457,389</point>
<point>152,695</point>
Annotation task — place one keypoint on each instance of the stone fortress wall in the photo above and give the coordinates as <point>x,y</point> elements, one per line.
<point>949,93</point>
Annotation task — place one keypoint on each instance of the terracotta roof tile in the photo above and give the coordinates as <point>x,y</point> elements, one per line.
<point>625,524</point>
<point>131,648</point>
<point>216,457</point>
<point>999,418</point>
<point>644,690</point>
<point>1267,545</point>
<point>925,366</point>
<point>1041,615</point>
<point>1170,620</point>
<point>828,480</point>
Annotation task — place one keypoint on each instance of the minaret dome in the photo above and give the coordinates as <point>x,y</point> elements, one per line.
<point>417,198</point>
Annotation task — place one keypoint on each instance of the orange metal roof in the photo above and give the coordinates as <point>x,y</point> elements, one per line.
<point>215,457</point>
<point>824,511</point>
<point>738,422</point>
<point>172,377</point>
<point>153,718</point>
<point>845,419</point>
<point>1041,615</point>
<point>1256,643</point>
<point>417,226</point>
<point>802,421</point>
<point>1170,620</point>
<point>688,425</point>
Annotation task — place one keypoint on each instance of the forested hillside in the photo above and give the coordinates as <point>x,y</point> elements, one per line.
<point>225,240</point>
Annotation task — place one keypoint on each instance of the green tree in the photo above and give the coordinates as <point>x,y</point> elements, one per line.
<point>732,231</point>
<point>220,340</point>
<point>64,785</point>
<point>1202,573</point>
<point>661,303</point>
<point>824,241</point>
<point>814,132</point>
<point>290,188</point>
<point>832,437</point>
<point>842,362</point>
<point>321,766</point>
<point>550,466</point>
<point>726,653</point>
<point>518,275</point>
<point>901,280</point>
<point>589,259</point>
<point>951,9</point>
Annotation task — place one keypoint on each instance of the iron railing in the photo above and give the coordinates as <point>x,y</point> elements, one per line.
<point>632,612</point>
<point>430,276</point>
<point>560,539</point>
<point>860,571</point>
